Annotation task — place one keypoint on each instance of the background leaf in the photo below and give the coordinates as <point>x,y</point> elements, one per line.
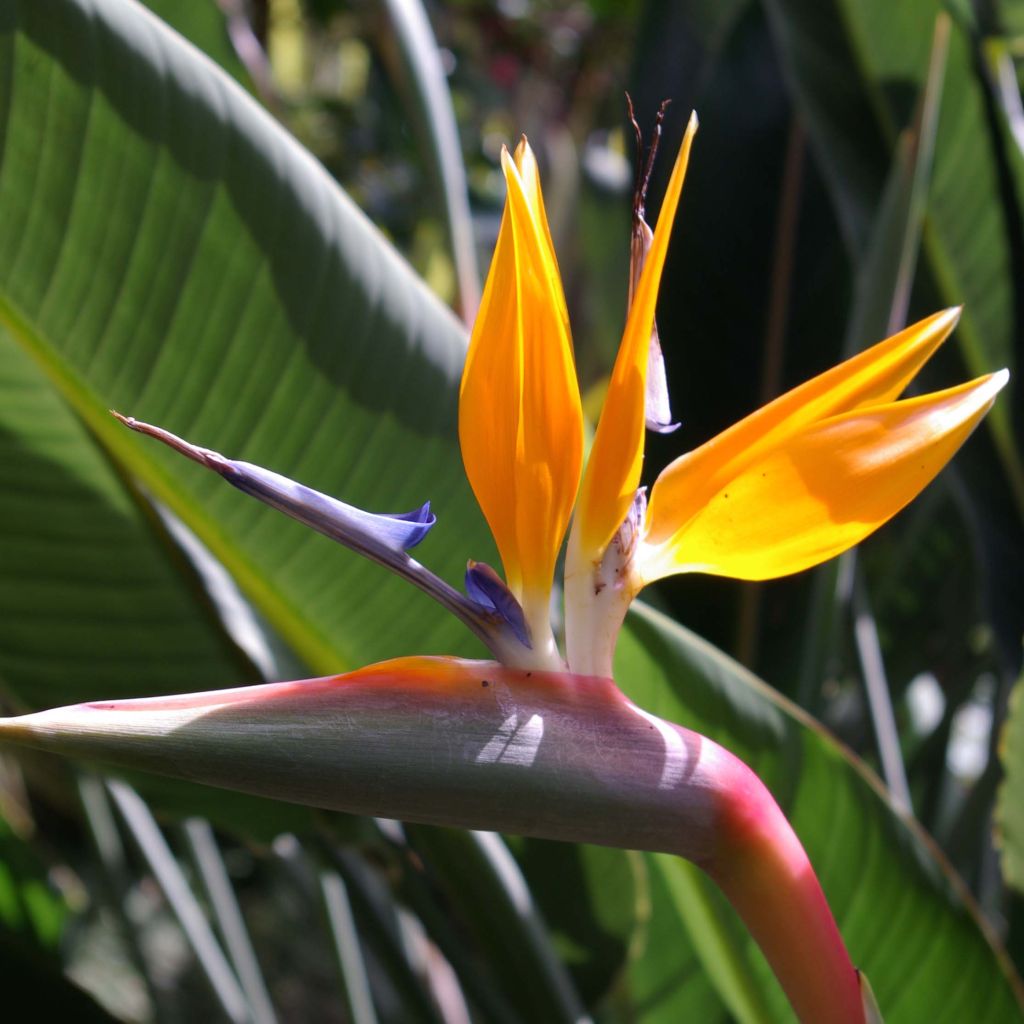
<point>1010,809</point>
<point>283,328</point>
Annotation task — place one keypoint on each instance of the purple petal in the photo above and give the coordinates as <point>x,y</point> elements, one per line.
<point>370,533</point>
<point>494,615</point>
<point>488,589</point>
<point>397,531</point>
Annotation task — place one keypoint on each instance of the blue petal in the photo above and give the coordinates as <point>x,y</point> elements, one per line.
<point>397,531</point>
<point>492,613</point>
<point>488,589</point>
<point>377,535</point>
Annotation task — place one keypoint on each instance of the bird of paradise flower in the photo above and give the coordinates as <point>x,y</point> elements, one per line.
<point>542,742</point>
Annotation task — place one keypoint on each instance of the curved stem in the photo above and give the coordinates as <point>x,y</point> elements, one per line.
<point>766,875</point>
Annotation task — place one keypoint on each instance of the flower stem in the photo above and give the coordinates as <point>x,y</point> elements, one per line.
<point>766,875</point>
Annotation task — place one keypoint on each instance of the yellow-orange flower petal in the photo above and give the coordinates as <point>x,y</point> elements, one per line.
<point>529,177</point>
<point>520,420</point>
<point>616,456</point>
<point>872,377</point>
<point>821,490</point>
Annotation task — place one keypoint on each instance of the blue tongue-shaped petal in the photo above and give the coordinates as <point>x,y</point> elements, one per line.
<point>491,611</point>
<point>373,534</point>
<point>398,531</point>
<point>488,589</point>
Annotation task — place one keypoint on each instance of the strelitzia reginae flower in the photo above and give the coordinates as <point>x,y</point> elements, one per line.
<point>537,742</point>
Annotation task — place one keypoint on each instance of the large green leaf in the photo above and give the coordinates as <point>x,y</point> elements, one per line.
<point>204,24</point>
<point>906,920</point>
<point>857,67</point>
<point>168,250</point>
<point>93,596</point>
<point>1010,810</point>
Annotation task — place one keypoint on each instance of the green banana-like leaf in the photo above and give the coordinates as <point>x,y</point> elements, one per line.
<point>168,250</point>
<point>207,26</point>
<point>94,593</point>
<point>85,560</point>
<point>1010,807</point>
<point>857,67</point>
<point>906,919</point>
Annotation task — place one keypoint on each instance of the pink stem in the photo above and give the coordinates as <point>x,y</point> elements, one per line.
<point>766,875</point>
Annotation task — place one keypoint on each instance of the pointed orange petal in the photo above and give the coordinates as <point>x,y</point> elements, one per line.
<point>819,492</point>
<point>616,457</point>
<point>520,420</point>
<point>489,406</point>
<point>873,377</point>
<point>550,451</point>
<point>529,176</point>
